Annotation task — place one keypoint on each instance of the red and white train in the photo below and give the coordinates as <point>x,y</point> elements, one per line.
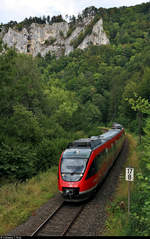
<point>85,163</point>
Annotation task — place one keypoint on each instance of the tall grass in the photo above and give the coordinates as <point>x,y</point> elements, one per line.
<point>117,208</point>
<point>19,201</point>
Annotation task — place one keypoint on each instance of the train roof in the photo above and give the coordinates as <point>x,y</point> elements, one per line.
<point>95,141</point>
<point>110,134</point>
<point>117,126</point>
<point>86,142</point>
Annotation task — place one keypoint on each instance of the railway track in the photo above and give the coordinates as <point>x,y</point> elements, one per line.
<point>67,219</point>
<point>60,221</point>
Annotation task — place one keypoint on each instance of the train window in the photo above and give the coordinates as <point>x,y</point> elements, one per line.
<point>111,150</point>
<point>73,165</point>
<point>114,148</point>
<point>106,150</point>
<point>77,153</point>
<point>92,170</point>
<point>73,169</point>
<point>101,158</point>
<point>96,164</point>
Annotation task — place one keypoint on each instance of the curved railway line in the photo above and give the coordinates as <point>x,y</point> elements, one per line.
<point>59,218</point>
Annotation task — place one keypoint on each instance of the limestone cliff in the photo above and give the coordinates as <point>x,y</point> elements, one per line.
<point>42,38</point>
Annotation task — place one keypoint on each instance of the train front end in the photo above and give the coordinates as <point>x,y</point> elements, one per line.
<point>71,178</point>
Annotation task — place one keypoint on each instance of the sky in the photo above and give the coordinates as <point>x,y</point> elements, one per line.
<point>18,10</point>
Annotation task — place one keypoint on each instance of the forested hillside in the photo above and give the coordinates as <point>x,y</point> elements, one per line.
<point>47,102</point>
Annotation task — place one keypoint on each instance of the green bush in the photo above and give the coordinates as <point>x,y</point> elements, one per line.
<point>24,125</point>
<point>17,161</point>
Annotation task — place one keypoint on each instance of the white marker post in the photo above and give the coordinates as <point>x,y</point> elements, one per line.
<point>129,178</point>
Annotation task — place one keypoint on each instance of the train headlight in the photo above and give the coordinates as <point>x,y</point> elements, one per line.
<point>70,192</point>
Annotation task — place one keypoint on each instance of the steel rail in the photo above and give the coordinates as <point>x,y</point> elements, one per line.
<point>72,222</point>
<point>47,219</point>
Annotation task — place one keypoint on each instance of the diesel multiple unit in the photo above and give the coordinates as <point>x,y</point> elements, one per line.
<point>85,163</point>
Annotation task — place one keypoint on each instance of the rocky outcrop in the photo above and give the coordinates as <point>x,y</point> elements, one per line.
<point>97,37</point>
<point>19,40</point>
<point>44,38</point>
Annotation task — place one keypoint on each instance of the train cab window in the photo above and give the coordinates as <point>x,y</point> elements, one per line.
<point>92,170</point>
<point>72,169</point>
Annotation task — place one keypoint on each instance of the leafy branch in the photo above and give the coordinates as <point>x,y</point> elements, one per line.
<point>139,104</point>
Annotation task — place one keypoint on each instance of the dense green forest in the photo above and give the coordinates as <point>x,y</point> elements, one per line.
<point>47,102</point>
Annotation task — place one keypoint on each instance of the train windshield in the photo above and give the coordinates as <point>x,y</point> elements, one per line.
<point>77,153</point>
<point>73,165</point>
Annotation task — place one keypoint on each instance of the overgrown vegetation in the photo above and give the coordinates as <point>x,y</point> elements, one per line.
<point>19,201</point>
<point>119,223</point>
<point>47,102</point>
<point>117,208</point>
<point>139,223</point>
